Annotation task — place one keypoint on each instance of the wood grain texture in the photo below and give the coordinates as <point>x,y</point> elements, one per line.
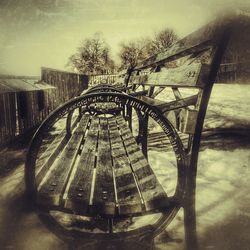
<point>187,75</point>
<point>206,36</point>
<point>102,171</point>
<point>104,201</point>
<point>52,187</point>
<point>77,197</point>
<point>129,199</point>
<point>154,196</point>
<point>48,157</point>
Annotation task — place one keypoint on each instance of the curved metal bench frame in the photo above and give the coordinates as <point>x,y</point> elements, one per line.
<point>214,36</point>
<point>120,99</point>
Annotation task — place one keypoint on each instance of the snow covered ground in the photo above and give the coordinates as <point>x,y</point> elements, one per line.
<point>230,105</point>
<point>223,179</point>
<point>223,184</point>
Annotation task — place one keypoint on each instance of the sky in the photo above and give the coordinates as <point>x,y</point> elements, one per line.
<point>36,33</point>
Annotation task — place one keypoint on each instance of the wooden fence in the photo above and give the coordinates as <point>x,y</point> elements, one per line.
<point>234,72</point>
<point>26,101</point>
<point>68,84</point>
<point>227,73</point>
<point>102,79</point>
<point>7,116</point>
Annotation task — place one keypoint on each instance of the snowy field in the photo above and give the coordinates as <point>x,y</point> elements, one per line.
<point>223,184</point>
<point>229,104</point>
<point>223,179</point>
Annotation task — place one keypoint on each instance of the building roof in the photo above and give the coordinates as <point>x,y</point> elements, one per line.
<point>20,84</point>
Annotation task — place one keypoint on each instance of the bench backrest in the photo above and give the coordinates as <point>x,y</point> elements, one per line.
<point>188,62</point>
<point>191,63</point>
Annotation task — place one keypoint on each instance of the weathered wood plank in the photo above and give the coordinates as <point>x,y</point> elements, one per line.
<point>78,193</point>
<point>167,106</point>
<point>104,200</point>
<point>51,188</point>
<point>154,196</point>
<point>48,157</point>
<point>197,41</point>
<point>187,75</point>
<point>129,197</point>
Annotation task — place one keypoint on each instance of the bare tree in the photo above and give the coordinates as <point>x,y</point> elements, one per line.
<point>134,51</point>
<point>92,57</point>
<point>163,40</point>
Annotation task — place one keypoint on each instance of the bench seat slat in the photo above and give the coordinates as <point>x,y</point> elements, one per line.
<point>102,171</point>
<point>52,186</point>
<point>188,75</point>
<point>49,156</point>
<point>129,200</point>
<point>104,201</point>
<point>152,192</point>
<point>77,197</point>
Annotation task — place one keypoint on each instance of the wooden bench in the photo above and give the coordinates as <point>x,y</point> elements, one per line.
<point>110,176</point>
<point>96,167</point>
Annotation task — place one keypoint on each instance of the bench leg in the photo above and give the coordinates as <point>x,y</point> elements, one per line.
<point>129,116</point>
<point>144,142</point>
<point>190,214</point>
<point>143,132</point>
